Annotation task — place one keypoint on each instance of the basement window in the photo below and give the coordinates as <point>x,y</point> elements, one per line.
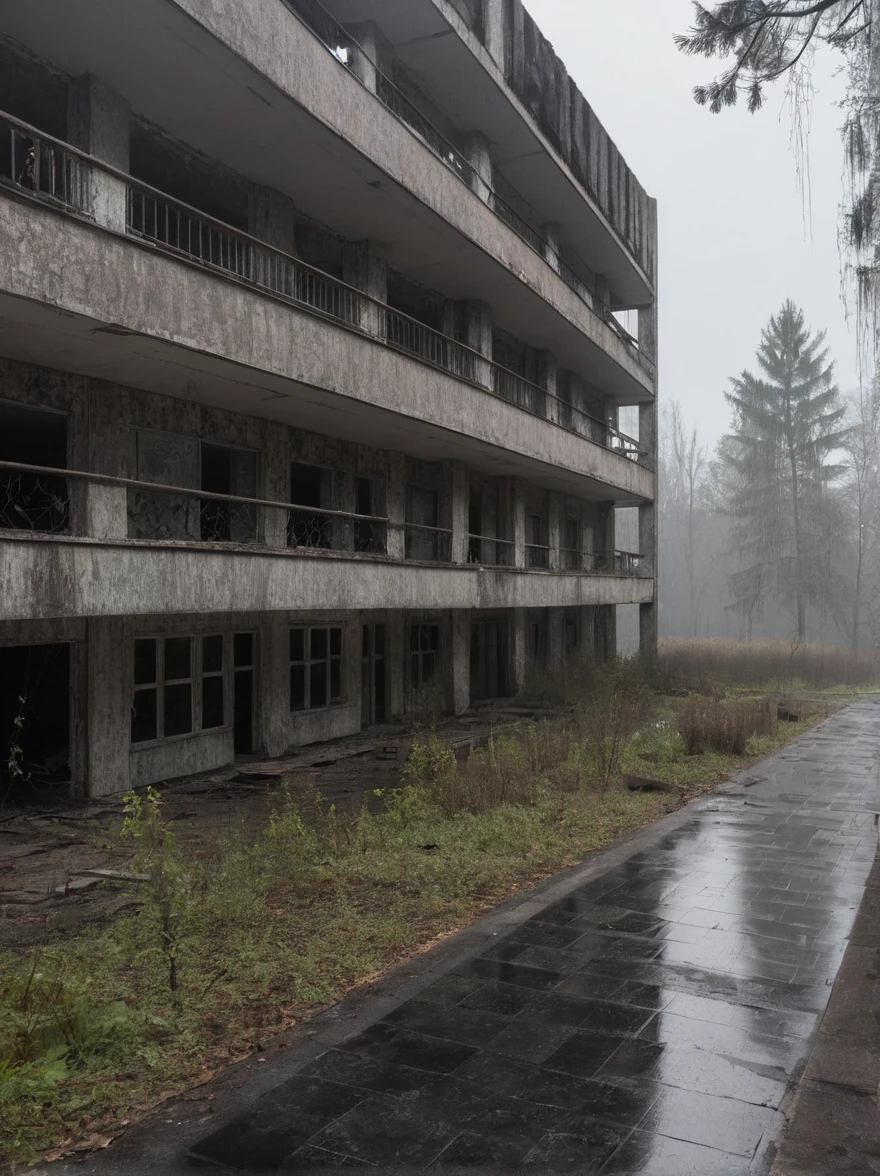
<point>315,668</point>
<point>165,701</point>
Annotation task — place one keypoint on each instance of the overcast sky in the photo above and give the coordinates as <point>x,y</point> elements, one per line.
<point>734,243</point>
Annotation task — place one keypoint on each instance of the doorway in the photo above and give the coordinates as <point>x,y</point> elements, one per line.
<point>489,675</point>
<point>35,717</point>
<point>243,692</point>
<point>373,678</point>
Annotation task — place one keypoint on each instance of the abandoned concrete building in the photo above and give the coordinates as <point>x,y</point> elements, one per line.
<point>328,338</point>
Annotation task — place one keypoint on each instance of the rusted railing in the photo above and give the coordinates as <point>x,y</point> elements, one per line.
<point>172,225</point>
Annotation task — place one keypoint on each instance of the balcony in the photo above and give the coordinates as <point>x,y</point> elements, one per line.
<point>49,172</point>
<point>102,545</point>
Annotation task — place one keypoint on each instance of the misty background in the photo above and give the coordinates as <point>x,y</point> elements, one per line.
<point>749,212</point>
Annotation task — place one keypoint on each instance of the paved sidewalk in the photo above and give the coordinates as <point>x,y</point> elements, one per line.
<point>646,1013</point>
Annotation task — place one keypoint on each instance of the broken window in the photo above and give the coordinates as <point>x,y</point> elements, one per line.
<point>424,540</point>
<point>311,486</point>
<point>370,500</point>
<point>35,687</point>
<point>537,552</point>
<point>572,553</point>
<point>226,470</point>
<point>30,501</point>
<point>37,95</point>
<point>315,668</point>
<point>424,655</point>
<point>165,672</point>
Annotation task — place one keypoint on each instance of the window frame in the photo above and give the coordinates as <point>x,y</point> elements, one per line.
<point>196,678</point>
<point>307,662</point>
<point>417,680</point>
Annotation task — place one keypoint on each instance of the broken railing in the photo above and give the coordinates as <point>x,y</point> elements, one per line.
<point>343,46</point>
<point>33,500</point>
<point>63,177</point>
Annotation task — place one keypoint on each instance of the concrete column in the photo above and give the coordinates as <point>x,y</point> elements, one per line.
<point>110,653</point>
<point>273,687</point>
<point>478,336</point>
<point>518,521</point>
<point>459,509</point>
<point>373,56</point>
<point>480,158</point>
<point>364,267</point>
<point>606,632</point>
<point>547,375</point>
<point>647,331</point>
<point>271,217</point>
<point>518,649</point>
<point>395,505</point>
<point>555,509</point>
<point>550,233</point>
<point>396,654</point>
<point>495,30</point>
<point>106,511</point>
<point>648,630</point>
<point>648,538</point>
<point>98,122</point>
<point>79,719</point>
<point>461,660</point>
<point>600,289</point>
<point>555,638</point>
<point>276,482</point>
<point>648,431</point>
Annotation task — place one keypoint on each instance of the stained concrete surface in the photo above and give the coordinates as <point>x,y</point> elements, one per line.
<point>649,1012</point>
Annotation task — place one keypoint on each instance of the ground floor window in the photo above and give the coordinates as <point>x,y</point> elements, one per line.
<point>315,668</point>
<point>424,654</point>
<point>179,686</point>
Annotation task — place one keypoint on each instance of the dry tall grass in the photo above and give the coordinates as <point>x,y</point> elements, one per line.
<point>725,726</point>
<point>701,661</point>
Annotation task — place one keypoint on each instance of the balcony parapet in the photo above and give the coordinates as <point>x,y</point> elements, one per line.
<point>52,172</point>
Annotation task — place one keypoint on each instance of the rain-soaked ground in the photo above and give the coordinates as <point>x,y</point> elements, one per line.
<point>651,1021</point>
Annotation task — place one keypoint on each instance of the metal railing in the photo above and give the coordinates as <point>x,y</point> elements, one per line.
<point>172,225</point>
<point>428,544</point>
<point>342,46</point>
<point>491,551</point>
<point>40,499</point>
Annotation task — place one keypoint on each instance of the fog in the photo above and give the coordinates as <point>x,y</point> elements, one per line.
<point>737,235</point>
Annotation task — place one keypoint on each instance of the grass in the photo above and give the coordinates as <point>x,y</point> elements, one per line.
<point>783,665</point>
<point>271,924</point>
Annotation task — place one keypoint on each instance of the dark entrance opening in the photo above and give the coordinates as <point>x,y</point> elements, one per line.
<point>33,436</point>
<point>243,682</point>
<point>488,660</point>
<point>40,675</point>
<point>373,681</point>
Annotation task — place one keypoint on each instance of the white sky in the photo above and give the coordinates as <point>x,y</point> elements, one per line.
<point>734,241</point>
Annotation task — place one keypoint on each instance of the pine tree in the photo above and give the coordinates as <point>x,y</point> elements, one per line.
<point>787,425</point>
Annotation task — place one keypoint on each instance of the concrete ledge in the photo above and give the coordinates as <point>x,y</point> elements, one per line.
<point>65,577</point>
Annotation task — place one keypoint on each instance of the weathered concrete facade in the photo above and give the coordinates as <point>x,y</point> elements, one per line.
<point>308,404</point>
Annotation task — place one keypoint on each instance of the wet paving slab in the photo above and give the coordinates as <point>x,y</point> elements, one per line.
<point>650,1021</point>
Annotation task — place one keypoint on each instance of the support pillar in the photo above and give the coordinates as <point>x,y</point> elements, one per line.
<point>98,122</point>
<point>365,268</point>
<point>477,324</point>
<point>273,689</point>
<point>396,655</point>
<point>271,218</point>
<point>555,508</point>
<point>395,506</point>
<point>495,31</point>
<point>518,649</point>
<point>547,378</point>
<point>110,652</point>
<point>606,632</point>
<point>648,630</point>
<point>461,660</point>
<point>555,638</point>
<point>459,514</point>
<point>518,523</point>
<point>551,234</point>
<point>371,56</point>
<point>480,159</point>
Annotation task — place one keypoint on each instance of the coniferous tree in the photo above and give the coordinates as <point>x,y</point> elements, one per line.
<point>787,425</point>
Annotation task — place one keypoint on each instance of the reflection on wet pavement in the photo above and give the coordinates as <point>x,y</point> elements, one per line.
<point>648,1023</point>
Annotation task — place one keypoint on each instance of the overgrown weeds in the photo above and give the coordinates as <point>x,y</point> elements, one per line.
<point>234,942</point>
<point>723,725</point>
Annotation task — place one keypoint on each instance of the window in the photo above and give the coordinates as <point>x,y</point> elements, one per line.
<point>370,500</point>
<point>213,700</point>
<point>33,502</point>
<point>424,654</point>
<point>310,486</point>
<point>423,539</point>
<point>225,470</point>
<point>537,555</point>
<point>165,703</point>
<point>315,668</point>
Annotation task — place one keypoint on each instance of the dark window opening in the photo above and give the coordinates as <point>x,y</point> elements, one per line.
<point>424,655</point>
<point>186,176</point>
<point>228,471</point>
<point>572,632</point>
<point>424,541</point>
<point>39,674</point>
<point>373,696</point>
<point>310,486</point>
<point>316,679</point>
<point>572,553</point>
<point>370,500</point>
<point>537,553</point>
<point>33,93</point>
<point>28,501</point>
<point>488,662</point>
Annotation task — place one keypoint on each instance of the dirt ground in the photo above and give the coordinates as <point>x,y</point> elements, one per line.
<point>50,850</point>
